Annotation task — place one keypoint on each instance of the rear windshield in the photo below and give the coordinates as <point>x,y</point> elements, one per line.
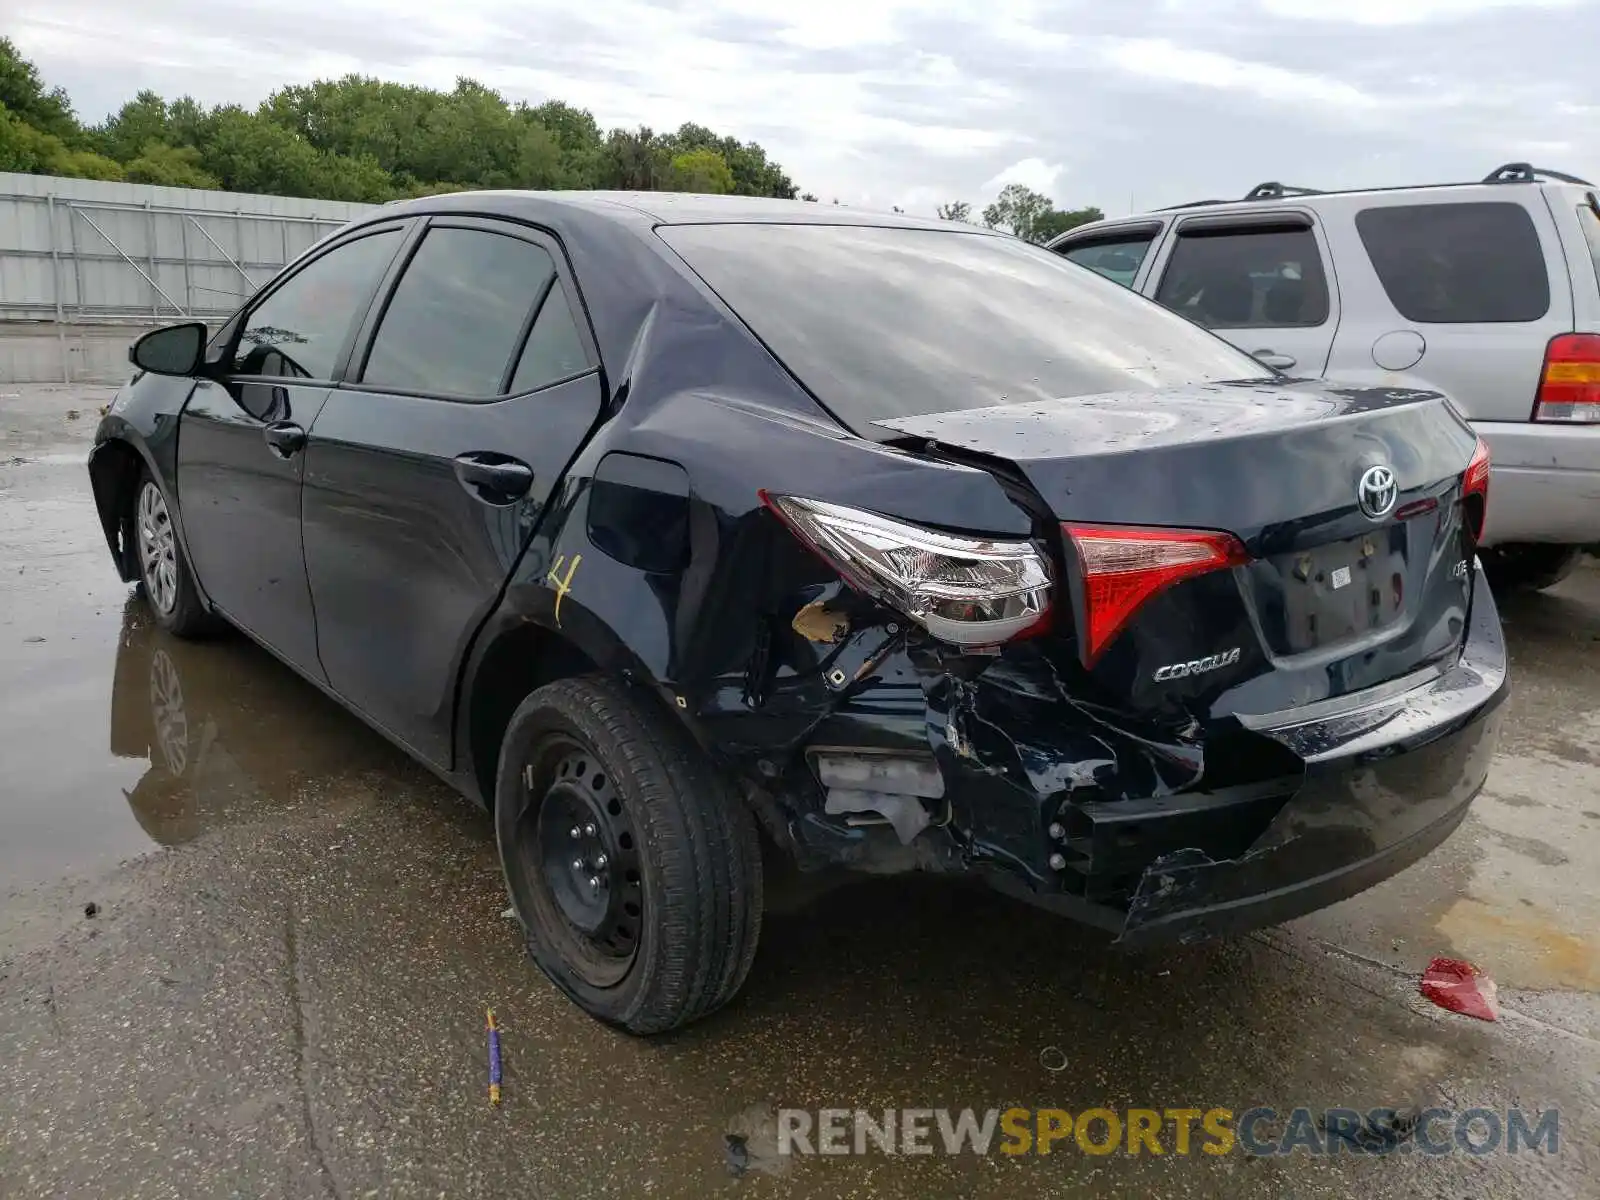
<point>1589,219</point>
<point>883,323</point>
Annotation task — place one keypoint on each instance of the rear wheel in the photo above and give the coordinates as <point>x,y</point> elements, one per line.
<point>1529,567</point>
<point>169,587</point>
<point>634,868</point>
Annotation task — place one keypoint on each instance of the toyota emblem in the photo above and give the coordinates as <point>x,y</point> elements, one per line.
<point>1377,492</point>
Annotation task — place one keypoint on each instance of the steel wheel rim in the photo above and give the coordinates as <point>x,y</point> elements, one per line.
<point>580,855</point>
<point>158,549</point>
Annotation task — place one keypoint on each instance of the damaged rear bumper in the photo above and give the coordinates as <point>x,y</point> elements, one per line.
<point>1385,782</point>
<point>1156,840</point>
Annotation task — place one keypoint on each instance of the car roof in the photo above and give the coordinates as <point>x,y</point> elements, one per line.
<point>664,208</point>
<point>623,272</point>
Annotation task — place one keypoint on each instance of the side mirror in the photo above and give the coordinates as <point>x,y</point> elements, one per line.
<point>174,350</point>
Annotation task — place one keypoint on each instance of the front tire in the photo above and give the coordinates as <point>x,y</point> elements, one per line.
<point>633,866</point>
<point>164,574</point>
<point>1529,567</point>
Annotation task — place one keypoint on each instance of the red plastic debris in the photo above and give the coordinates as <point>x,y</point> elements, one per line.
<point>1460,987</point>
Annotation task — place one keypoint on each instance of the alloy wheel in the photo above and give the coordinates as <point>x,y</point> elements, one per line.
<point>158,549</point>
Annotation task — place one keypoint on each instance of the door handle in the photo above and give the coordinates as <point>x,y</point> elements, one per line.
<point>1273,359</point>
<point>285,438</point>
<point>494,478</point>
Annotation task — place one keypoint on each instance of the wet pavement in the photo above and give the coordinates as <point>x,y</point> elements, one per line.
<point>281,992</point>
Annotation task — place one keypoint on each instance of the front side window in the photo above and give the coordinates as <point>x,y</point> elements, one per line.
<point>1247,278</point>
<point>881,323</point>
<point>1118,260</point>
<point>298,331</point>
<point>1458,263</point>
<point>458,314</point>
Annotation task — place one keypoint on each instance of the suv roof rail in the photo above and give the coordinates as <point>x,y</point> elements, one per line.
<point>1521,172</point>
<point>1273,190</point>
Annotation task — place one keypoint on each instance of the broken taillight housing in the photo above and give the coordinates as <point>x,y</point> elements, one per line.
<point>971,591</point>
<point>1475,489</point>
<point>1125,565</point>
<point>1569,386</point>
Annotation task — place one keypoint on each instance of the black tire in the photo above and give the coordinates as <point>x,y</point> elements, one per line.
<point>1529,567</point>
<point>670,933</point>
<point>165,579</point>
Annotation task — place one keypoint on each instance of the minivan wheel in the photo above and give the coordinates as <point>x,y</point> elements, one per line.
<point>164,575</point>
<point>1528,567</point>
<point>633,866</point>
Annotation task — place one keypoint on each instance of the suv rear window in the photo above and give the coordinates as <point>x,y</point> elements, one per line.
<point>1454,264</point>
<point>1589,221</point>
<point>882,323</point>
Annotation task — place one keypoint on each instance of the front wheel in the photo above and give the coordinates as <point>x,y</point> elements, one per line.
<point>1529,567</point>
<point>633,866</point>
<point>169,587</point>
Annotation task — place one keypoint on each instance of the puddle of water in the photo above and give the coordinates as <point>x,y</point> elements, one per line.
<point>119,739</point>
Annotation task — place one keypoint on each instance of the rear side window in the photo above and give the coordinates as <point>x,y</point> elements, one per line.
<point>1246,278</point>
<point>1589,221</point>
<point>882,323</point>
<point>458,314</point>
<point>1118,259</point>
<point>1453,264</point>
<point>554,350</point>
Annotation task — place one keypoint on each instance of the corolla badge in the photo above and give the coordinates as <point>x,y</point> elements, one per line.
<point>1377,492</point>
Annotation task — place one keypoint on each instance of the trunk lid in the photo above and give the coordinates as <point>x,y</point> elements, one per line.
<point>1331,599</point>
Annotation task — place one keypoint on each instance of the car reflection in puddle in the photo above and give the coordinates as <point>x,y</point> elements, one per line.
<point>231,735</point>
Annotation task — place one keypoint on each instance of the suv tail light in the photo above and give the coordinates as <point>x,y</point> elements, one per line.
<point>1475,489</point>
<point>1569,388</point>
<point>1123,566</point>
<point>973,592</point>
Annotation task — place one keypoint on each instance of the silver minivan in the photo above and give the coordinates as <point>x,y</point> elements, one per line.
<point>1488,291</point>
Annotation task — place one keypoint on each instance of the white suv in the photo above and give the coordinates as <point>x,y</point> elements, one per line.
<point>1489,292</point>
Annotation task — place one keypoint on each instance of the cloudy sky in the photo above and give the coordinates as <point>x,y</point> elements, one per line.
<point>1107,102</point>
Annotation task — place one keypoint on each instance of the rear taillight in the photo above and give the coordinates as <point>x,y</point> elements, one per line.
<point>1569,388</point>
<point>1123,566</point>
<point>971,591</point>
<point>1475,489</point>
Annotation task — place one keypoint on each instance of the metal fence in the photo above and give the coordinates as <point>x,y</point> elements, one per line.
<point>82,256</point>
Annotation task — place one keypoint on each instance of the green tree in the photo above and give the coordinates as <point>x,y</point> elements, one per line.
<point>138,123</point>
<point>1017,209</point>
<point>170,166</point>
<point>701,171</point>
<point>1056,222</point>
<point>956,210</point>
<point>634,161</point>
<point>23,93</point>
<point>360,138</point>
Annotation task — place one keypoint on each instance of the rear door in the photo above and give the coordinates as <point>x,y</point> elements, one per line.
<point>1259,279</point>
<point>1459,293</point>
<point>472,386</point>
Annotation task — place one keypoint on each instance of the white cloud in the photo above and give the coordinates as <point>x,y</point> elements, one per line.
<point>1398,12</point>
<point>1032,173</point>
<point>920,102</point>
<point>1157,58</point>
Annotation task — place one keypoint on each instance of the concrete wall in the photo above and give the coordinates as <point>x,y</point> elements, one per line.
<point>85,266</point>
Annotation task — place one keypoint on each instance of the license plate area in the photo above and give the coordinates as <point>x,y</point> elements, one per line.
<point>1340,589</point>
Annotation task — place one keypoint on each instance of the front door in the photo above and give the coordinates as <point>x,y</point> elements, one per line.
<point>473,388</point>
<point>242,438</point>
<point>1257,279</point>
